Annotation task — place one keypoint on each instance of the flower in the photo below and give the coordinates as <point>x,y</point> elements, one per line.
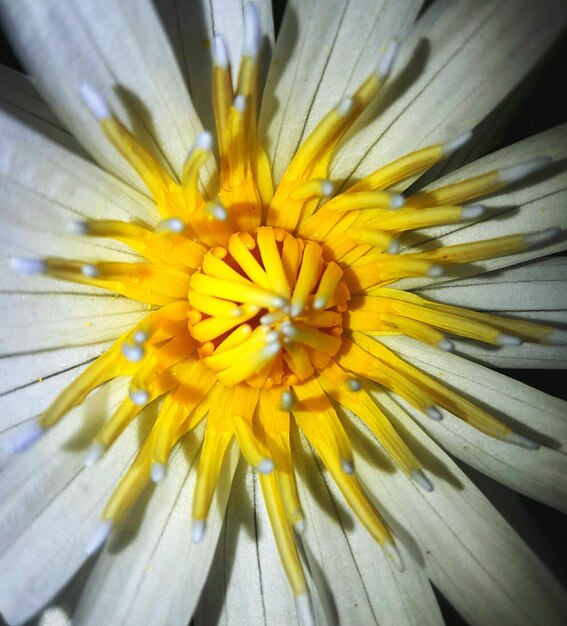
<point>258,306</point>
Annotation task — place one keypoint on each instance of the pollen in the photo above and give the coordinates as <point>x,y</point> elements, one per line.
<point>265,305</point>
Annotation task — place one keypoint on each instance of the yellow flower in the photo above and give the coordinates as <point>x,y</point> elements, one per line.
<point>287,304</point>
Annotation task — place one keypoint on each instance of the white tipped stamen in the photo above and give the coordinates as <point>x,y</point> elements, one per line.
<point>286,400</point>
<point>421,479</point>
<point>393,554</point>
<point>99,537</point>
<point>28,266</point>
<point>140,336</point>
<point>239,103</point>
<point>24,438</point>
<point>520,440</point>
<point>265,466</point>
<point>327,188</point>
<point>434,413</point>
<point>96,103</point>
<point>299,526</point>
<point>354,383</point>
<point>344,107</point>
<point>220,52</point>
<point>508,340</point>
<point>387,59</point>
<point>93,454</point>
<point>132,353</point>
<point>296,309</point>
<point>288,329</point>
<point>393,247</point>
<point>204,141</point>
<point>558,337</point>
<point>90,270</point>
<point>348,467</point>
<point>472,212</point>
<point>447,345</point>
<point>457,142</point>
<point>157,472</point>
<point>216,211</point>
<point>78,228</point>
<point>279,303</point>
<point>198,527</point>
<point>435,271</point>
<point>397,201</point>
<point>139,397</point>
<point>252,38</point>
<point>509,175</point>
<point>541,236</point>
<point>272,318</point>
<point>304,608</point>
<point>171,225</point>
<point>319,303</point>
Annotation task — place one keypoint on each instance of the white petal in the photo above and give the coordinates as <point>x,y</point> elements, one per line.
<point>540,474</point>
<point>50,504</point>
<point>191,30</point>
<point>504,293</point>
<point>150,572</point>
<point>445,80</point>
<point>324,49</point>
<point>20,98</point>
<point>121,50</point>
<point>531,205</point>
<point>470,553</point>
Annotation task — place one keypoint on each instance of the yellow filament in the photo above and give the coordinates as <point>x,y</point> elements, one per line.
<point>272,261</point>
<point>409,219</point>
<point>222,100</point>
<point>190,180</point>
<point>375,238</point>
<point>350,201</point>
<point>115,426</point>
<point>309,273</point>
<point>239,247</point>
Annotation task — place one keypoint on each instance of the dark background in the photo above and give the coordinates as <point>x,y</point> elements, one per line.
<point>543,107</point>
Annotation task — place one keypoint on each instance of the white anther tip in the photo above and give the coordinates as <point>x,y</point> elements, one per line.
<point>24,438</point>
<point>508,340</point>
<point>252,31</point>
<point>299,526</point>
<point>93,454</point>
<point>77,228</point>
<point>397,201</point>
<point>344,106</point>
<point>327,188</point>
<point>204,141</point>
<point>132,353</point>
<point>171,225</point>
<point>509,175</point>
<point>434,413</point>
<point>198,527</point>
<point>435,271</point>
<point>421,479</point>
<point>286,401</point>
<point>90,270</point>
<point>354,384</point>
<point>304,608</point>
<point>520,440</point>
<point>457,142</point>
<point>157,472</point>
<point>139,397</point>
<point>140,336</point>
<point>265,466</point>
<point>541,236</point>
<point>472,212</point>
<point>319,303</point>
<point>393,554</point>
<point>387,58</point>
<point>99,537</point>
<point>239,103</point>
<point>393,247</point>
<point>447,345</point>
<point>348,466</point>
<point>96,103</point>
<point>220,52</point>
<point>217,212</point>
<point>27,266</point>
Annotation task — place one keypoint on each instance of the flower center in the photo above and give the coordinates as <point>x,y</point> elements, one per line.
<point>267,308</point>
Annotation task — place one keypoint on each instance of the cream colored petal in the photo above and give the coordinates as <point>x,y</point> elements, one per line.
<point>150,572</point>
<point>246,581</point>
<point>462,59</point>
<point>45,188</point>
<point>51,504</point>
<point>465,547</point>
<point>535,291</point>
<point>20,98</point>
<point>324,49</point>
<point>120,49</point>
<point>540,474</point>
<point>190,27</point>
<point>533,204</point>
